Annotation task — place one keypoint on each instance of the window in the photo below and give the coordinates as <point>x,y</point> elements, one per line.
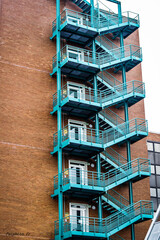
<point>154,156</point>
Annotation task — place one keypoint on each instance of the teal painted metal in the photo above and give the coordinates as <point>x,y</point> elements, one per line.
<point>60,194</point>
<point>91,101</point>
<point>88,143</point>
<point>89,227</point>
<point>90,183</point>
<point>81,59</point>
<point>126,119</point>
<point>87,30</point>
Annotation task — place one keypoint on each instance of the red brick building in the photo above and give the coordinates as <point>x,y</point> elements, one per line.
<point>27,167</point>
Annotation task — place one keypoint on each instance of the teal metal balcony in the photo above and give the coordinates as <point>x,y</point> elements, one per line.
<point>76,27</point>
<point>82,228</point>
<point>92,228</point>
<point>133,130</point>
<point>135,170</point>
<point>80,183</point>
<point>87,184</point>
<point>81,63</point>
<point>84,101</point>
<point>113,24</point>
<point>79,140</point>
<point>82,140</point>
<point>77,62</point>
<point>78,100</point>
<point>133,91</point>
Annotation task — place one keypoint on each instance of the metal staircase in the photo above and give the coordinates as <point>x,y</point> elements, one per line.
<point>88,94</point>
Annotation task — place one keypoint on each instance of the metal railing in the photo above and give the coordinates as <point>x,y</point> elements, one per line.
<point>80,177</point>
<point>82,94</point>
<point>94,179</point>
<point>76,18</point>
<point>120,53</point>
<point>111,116</point>
<point>108,78</point>
<point>122,130</point>
<point>125,170</point>
<point>105,42</point>
<point>116,198</point>
<point>114,156</point>
<point>118,219</point>
<point>123,89</point>
<point>84,224</point>
<point>108,224</point>
<point>84,56</point>
<point>79,134</point>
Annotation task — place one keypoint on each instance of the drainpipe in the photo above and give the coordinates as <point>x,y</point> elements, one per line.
<point>59,122</point>
<point>126,119</point>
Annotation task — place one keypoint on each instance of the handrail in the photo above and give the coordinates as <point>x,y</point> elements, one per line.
<point>108,224</point>
<point>117,198</point>
<point>111,116</point>
<point>102,96</point>
<point>101,59</point>
<point>89,135</point>
<point>104,180</point>
<point>114,156</point>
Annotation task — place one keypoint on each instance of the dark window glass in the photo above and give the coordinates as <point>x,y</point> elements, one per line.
<point>158,181</point>
<point>152,181</point>
<point>157,158</point>
<point>154,203</point>
<point>151,157</point>
<point>158,202</point>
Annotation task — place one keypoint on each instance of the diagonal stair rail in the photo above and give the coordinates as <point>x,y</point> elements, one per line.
<point>110,225</point>
<point>113,156</point>
<point>126,130</point>
<point>135,212</point>
<point>111,117</point>
<point>130,170</point>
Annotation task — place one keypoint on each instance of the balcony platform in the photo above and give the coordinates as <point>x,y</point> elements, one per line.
<point>77,100</point>
<point>80,184</point>
<point>82,235</point>
<point>80,148</point>
<point>80,141</point>
<point>75,27</point>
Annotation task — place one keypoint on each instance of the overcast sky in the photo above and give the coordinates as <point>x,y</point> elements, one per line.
<point>149,12</point>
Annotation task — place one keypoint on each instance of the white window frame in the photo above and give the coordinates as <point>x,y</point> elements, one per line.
<point>79,87</point>
<point>79,52</point>
<point>79,19</point>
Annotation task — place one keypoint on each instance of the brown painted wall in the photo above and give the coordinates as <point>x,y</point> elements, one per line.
<point>27,168</point>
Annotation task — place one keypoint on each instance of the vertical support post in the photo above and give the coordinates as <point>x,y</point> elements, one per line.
<point>59,122</point>
<point>126,119</point>
<point>96,117</point>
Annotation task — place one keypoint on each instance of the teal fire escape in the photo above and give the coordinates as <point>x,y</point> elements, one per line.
<point>87,92</point>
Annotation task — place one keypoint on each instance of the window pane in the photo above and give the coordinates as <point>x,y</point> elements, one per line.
<point>157,147</point>
<point>150,146</point>
<point>158,170</point>
<point>151,156</point>
<point>158,181</point>
<point>154,203</point>
<point>152,181</point>
<point>157,158</point>
<point>152,169</point>
<point>153,192</point>
<point>158,189</point>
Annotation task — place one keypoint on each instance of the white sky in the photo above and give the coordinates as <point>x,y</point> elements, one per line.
<point>149,12</point>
